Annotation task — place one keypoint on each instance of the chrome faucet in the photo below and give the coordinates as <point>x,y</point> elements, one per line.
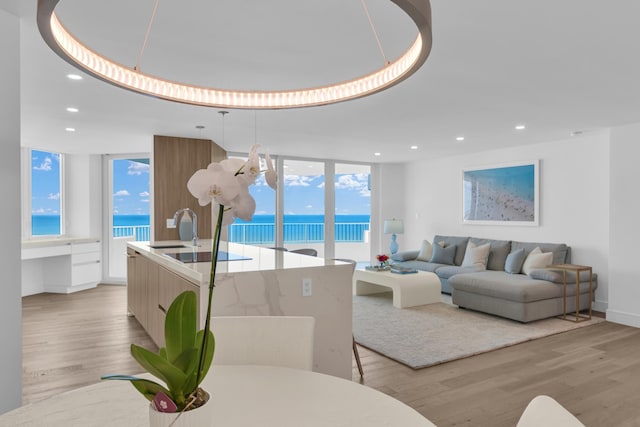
<point>194,221</point>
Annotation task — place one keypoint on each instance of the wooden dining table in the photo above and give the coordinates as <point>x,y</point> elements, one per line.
<point>243,395</point>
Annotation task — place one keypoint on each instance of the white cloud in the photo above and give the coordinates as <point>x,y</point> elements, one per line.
<point>121,193</point>
<point>309,206</point>
<point>144,194</point>
<point>136,168</point>
<point>297,180</point>
<point>45,165</point>
<point>54,196</point>
<point>38,211</point>
<point>357,182</point>
<point>144,200</point>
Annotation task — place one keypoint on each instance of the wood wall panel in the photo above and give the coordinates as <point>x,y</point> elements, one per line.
<point>175,159</point>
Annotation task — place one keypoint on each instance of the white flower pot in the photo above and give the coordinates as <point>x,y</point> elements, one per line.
<point>199,417</point>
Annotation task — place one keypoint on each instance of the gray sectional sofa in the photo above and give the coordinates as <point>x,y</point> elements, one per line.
<point>493,290</point>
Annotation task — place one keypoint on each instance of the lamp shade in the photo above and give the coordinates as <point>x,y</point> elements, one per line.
<point>393,226</point>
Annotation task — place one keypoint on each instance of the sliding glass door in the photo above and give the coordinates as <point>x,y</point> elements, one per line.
<point>128,216</point>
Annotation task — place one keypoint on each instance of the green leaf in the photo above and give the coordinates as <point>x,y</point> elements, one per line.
<point>185,361</point>
<point>148,388</point>
<point>211,346</point>
<point>180,325</point>
<point>160,368</point>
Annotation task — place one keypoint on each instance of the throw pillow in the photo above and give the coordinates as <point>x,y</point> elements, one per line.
<point>476,256</point>
<point>514,262</point>
<point>426,251</point>
<point>404,256</point>
<point>443,255</point>
<point>537,259</point>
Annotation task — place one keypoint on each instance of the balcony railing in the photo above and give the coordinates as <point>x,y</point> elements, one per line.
<point>259,233</point>
<point>309,232</point>
<point>141,232</point>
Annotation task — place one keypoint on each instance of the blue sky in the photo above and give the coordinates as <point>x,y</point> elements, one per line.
<point>304,194</point>
<point>45,183</point>
<point>130,187</point>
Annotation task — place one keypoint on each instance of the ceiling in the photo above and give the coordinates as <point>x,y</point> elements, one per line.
<point>555,66</point>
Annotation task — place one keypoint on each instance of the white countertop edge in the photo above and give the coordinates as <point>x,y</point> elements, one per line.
<point>57,241</point>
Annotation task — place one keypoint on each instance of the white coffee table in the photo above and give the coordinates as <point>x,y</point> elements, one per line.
<point>408,289</point>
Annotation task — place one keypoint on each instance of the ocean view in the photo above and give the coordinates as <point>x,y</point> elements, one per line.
<point>306,228</point>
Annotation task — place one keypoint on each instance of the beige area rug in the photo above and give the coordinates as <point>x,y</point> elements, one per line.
<point>436,333</point>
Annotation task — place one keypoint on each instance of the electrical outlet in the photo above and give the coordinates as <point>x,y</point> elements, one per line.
<point>171,223</point>
<point>306,287</point>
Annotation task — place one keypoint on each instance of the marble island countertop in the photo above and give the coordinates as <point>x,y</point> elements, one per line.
<point>252,258</point>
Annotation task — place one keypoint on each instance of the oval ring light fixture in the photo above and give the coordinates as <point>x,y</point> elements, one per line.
<point>72,50</point>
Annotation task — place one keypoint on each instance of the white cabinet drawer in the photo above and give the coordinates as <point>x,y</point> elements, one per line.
<point>85,258</point>
<point>79,248</point>
<point>86,273</point>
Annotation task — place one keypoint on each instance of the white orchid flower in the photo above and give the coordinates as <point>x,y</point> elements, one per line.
<point>214,183</point>
<point>270,175</point>
<point>244,205</point>
<point>251,168</point>
<point>233,165</point>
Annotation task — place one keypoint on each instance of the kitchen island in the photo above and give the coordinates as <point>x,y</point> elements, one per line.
<point>254,281</point>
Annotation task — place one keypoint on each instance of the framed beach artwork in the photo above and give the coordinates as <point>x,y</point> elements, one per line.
<point>502,195</point>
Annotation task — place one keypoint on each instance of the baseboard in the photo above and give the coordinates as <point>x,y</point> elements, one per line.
<point>629,319</point>
<point>69,289</point>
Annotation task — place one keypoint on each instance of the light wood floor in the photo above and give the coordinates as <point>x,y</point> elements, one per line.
<point>70,340</point>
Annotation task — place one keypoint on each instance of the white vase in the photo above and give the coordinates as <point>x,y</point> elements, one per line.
<point>199,417</point>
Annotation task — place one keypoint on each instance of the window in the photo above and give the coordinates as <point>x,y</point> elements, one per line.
<point>352,211</point>
<point>46,194</point>
<point>261,229</point>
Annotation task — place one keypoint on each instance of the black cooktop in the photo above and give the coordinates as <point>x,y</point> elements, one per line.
<point>190,257</point>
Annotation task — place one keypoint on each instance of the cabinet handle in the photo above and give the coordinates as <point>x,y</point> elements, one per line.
<point>162,309</point>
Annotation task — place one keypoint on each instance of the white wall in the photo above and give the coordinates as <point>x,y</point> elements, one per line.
<point>392,192</point>
<point>574,200</point>
<point>624,291</point>
<point>10,303</point>
<point>83,195</point>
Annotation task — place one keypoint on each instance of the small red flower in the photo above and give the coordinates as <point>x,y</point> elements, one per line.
<point>382,258</point>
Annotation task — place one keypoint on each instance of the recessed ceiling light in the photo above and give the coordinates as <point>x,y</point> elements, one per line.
<point>376,154</point>
<point>72,109</point>
<point>414,147</point>
<point>70,129</point>
<point>460,138</point>
<point>74,76</point>
<point>199,127</point>
<point>520,127</point>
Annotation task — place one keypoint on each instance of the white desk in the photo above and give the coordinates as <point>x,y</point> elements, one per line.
<point>243,396</point>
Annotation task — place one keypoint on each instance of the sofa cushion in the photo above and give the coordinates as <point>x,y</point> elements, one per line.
<point>447,271</point>
<point>560,250</point>
<point>537,259</point>
<point>514,262</point>
<point>421,265</point>
<point>426,251</point>
<point>476,255</point>
<point>498,254</point>
<point>501,285</point>
<point>443,255</point>
<point>404,256</point>
<point>459,242</point>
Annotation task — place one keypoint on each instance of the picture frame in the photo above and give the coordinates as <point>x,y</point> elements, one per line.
<point>505,194</point>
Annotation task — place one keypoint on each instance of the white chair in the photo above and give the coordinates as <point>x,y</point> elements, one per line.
<point>264,340</point>
<point>353,340</point>
<point>544,411</point>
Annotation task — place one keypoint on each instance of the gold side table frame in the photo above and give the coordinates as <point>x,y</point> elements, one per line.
<point>577,269</point>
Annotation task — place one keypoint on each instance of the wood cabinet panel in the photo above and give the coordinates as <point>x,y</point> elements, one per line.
<point>170,285</point>
<point>174,161</point>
